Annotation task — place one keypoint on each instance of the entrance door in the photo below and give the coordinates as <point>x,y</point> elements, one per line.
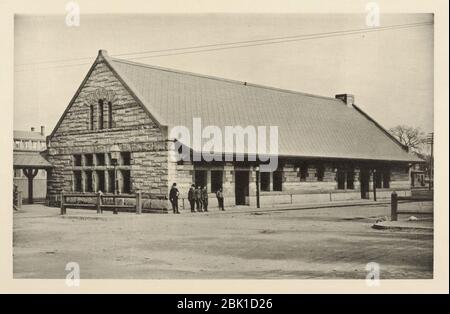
<point>364,183</point>
<point>241,187</point>
<point>200,178</point>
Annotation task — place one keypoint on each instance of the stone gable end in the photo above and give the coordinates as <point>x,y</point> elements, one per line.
<point>130,127</point>
<point>103,83</point>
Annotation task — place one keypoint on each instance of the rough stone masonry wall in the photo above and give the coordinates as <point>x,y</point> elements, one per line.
<point>294,191</point>
<point>132,129</point>
<point>311,190</point>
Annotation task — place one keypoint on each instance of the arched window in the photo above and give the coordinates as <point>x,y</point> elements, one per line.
<point>91,117</point>
<point>110,115</point>
<point>100,114</point>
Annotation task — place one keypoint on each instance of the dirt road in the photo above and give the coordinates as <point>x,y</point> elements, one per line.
<point>296,244</point>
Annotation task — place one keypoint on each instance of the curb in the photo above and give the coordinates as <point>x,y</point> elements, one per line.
<point>401,228</point>
<point>317,206</point>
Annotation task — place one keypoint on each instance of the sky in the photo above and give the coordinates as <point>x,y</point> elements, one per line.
<point>390,72</point>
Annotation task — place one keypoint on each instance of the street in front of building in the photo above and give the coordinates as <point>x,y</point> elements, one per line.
<point>320,243</point>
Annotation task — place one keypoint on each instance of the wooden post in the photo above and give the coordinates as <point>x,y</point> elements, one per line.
<point>30,174</point>
<point>99,203</point>
<point>138,203</point>
<point>116,187</point>
<point>63,208</point>
<point>115,209</point>
<point>30,187</point>
<point>257,188</point>
<point>374,193</point>
<point>374,185</point>
<point>394,206</point>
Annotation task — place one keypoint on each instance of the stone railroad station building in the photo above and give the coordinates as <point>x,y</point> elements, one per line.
<point>328,148</point>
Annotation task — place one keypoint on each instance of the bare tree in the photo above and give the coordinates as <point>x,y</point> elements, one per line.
<point>411,137</point>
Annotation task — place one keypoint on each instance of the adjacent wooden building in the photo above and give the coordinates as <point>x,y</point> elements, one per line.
<point>29,166</point>
<point>329,149</point>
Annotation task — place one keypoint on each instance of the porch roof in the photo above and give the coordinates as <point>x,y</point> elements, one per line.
<point>33,160</point>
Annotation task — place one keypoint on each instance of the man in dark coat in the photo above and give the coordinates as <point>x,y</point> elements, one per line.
<point>205,198</point>
<point>173,197</point>
<point>191,198</point>
<point>198,198</point>
<point>219,195</point>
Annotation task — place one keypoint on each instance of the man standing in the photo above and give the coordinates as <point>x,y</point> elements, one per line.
<point>219,195</point>
<point>173,197</point>
<point>205,198</point>
<point>191,198</point>
<point>198,198</point>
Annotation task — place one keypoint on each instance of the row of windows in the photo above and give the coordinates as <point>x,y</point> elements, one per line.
<point>100,159</point>
<point>345,176</point>
<point>104,112</point>
<point>277,181</point>
<point>29,144</point>
<point>345,179</point>
<point>382,178</point>
<point>201,179</point>
<point>303,172</point>
<point>102,180</point>
<point>105,181</point>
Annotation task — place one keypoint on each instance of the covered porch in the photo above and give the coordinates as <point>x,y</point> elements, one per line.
<point>30,163</point>
<point>296,181</point>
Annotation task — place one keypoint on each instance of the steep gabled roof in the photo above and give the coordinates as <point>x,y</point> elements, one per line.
<point>308,125</point>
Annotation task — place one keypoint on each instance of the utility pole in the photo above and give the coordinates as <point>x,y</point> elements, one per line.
<point>430,140</point>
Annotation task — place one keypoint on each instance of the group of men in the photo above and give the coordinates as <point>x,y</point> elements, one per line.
<point>197,197</point>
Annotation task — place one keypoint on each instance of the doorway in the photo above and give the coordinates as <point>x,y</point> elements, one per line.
<point>241,187</point>
<point>200,178</point>
<point>364,183</point>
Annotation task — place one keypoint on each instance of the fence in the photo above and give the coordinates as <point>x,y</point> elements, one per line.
<point>100,203</point>
<point>395,200</point>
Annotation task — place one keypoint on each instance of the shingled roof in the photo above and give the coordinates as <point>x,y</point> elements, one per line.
<point>30,160</point>
<point>308,125</point>
<point>28,135</point>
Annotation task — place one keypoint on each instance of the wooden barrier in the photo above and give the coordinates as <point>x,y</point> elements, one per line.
<point>100,203</point>
<point>395,200</point>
